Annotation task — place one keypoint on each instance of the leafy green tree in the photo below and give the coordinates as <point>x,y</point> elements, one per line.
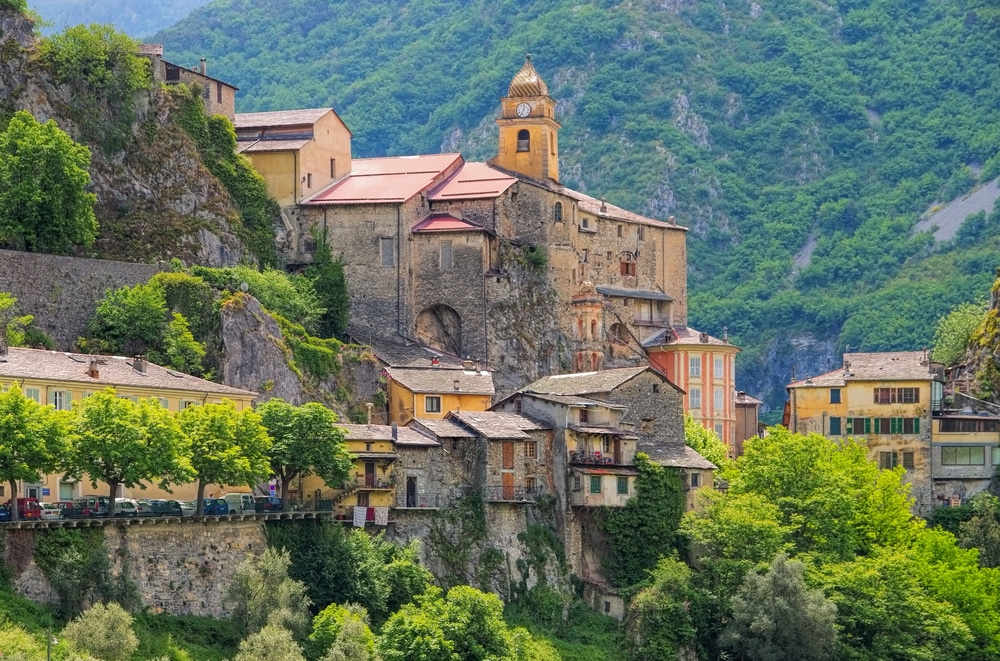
<point>330,284</point>
<point>982,531</point>
<point>705,442</point>
<point>32,440</point>
<point>305,441</point>
<point>263,594</point>
<point>272,642</point>
<point>12,325</point>
<point>462,625</point>
<point>180,350</point>
<point>105,631</point>
<point>954,331</point>
<point>776,617</point>
<point>44,205</point>
<point>16,5</point>
<point>129,320</point>
<point>122,442</point>
<point>645,529</point>
<point>226,446</point>
<point>659,617</point>
<point>341,633</point>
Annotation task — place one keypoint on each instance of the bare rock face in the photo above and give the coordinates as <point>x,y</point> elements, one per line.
<point>155,199</point>
<point>254,358</point>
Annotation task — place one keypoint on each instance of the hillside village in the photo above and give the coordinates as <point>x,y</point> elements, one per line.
<point>511,342</point>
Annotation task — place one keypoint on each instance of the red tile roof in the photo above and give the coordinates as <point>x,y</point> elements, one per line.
<point>474,181</point>
<point>445,222</point>
<point>391,179</point>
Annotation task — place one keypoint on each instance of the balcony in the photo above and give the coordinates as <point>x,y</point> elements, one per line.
<point>596,458</point>
<point>659,322</point>
<point>501,494</point>
<point>419,501</point>
<point>371,483</point>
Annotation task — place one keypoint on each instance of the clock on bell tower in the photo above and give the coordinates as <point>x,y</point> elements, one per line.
<point>529,142</point>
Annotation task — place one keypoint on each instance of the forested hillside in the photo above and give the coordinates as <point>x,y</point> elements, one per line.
<point>800,141</point>
<point>136,18</point>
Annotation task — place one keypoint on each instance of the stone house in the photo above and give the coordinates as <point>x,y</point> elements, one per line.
<point>218,96</point>
<point>890,400</point>
<point>431,392</point>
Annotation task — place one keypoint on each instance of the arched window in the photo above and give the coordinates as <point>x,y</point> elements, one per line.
<point>523,140</point>
<point>557,212</point>
<point>593,329</point>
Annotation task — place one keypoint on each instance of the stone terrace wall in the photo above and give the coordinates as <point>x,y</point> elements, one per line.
<point>61,292</point>
<point>180,568</point>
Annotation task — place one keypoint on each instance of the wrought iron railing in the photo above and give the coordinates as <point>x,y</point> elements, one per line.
<point>418,500</point>
<point>512,494</point>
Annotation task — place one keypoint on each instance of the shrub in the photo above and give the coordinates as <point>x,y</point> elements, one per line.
<point>273,643</point>
<point>262,594</point>
<point>105,631</point>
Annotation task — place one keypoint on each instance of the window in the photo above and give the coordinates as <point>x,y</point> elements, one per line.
<point>882,425</point>
<point>963,455</point>
<point>309,180</point>
<point>333,168</point>
<point>593,329</point>
<point>627,268</point>
<point>622,485</point>
<point>695,396</point>
<point>595,484</point>
<point>835,395</point>
<point>432,404</point>
<point>835,427</point>
<point>641,233</point>
<point>385,244</point>
<point>584,255</point>
<point>718,429</point>
<point>33,393</point>
<point>446,260</point>
<point>897,395</point>
<point>718,399</point>
<point>310,246</point>
<point>557,212</point>
<point>577,483</point>
<point>694,368</point>
<point>184,403</point>
<point>62,400</point>
<point>607,607</point>
<point>523,140</point>
<point>996,455</point>
<point>903,425</point>
<point>718,368</point>
<point>907,460</point>
<point>584,223</point>
<point>886,460</point>
<point>695,480</point>
<point>656,387</point>
<point>584,415</point>
<point>531,449</point>
<point>952,425</point>
<point>218,92</point>
<point>857,426</point>
<point>530,485</point>
<point>609,256</point>
<point>619,231</point>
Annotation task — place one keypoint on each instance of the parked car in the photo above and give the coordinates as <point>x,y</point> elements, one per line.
<point>159,507</point>
<point>144,507</point>
<point>240,503</point>
<point>87,507</point>
<point>4,512</point>
<point>28,508</point>
<point>267,504</point>
<point>51,511</point>
<point>126,508</point>
<point>189,507</point>
<point>215,506</point>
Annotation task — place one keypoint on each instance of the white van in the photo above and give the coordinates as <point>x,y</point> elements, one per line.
<point>239,503</point>
<point>126,507</point>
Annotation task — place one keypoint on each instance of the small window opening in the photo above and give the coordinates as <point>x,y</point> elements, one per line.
<point>523,140</point>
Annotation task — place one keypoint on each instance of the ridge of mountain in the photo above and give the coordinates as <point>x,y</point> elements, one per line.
<point>136,18</point>
<point>764,126</point>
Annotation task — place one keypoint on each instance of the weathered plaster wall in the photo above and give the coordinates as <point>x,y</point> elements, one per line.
<point>62,292</point>
<point>180,567</point>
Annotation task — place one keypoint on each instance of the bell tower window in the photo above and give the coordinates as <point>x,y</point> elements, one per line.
<point>523,140</point>
<point>557,213</point>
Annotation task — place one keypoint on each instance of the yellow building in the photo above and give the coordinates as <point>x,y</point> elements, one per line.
<point>62,379</point>
<point>886,398</point>
<point>431,392</point>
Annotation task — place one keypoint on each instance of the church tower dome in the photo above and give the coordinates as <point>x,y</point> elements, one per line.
<point>528,129</point>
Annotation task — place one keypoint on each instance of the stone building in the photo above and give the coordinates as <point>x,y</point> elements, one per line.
<point>218,96</point>
<point>431,392</point>
<point>498,261</point>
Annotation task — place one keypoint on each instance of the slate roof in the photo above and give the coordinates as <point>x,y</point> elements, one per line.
<point>583,383</point>
<point>677,456</point>
<point>441,380</point>
<point>610,431</point>
<point>443,428</point>
<point>386,180</point>
<point>647,294</point>
<point>398,354</point>
<point>252,120</point>
<point>404,435</point>
<point>882,366</point>
<point>497,425</point>
<point>743,398</point>
<point>113,371</point>
<point>683,335</point>
<point>568,400</point>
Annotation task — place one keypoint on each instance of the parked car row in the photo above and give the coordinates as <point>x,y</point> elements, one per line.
<point>88,507</point>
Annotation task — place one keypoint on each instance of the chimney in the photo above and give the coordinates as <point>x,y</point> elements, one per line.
<point>395,431</point>
<point>204,67</point>
<point>703,338</point>
<point>435,362</point>
<point>725,334</point>
<point>604,205</point>
<point>467,364</point>
<point>93,371</point>
<point>457,386</point>
<point>139,364</point>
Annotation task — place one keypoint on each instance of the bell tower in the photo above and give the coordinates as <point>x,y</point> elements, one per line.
<point>529,143</point>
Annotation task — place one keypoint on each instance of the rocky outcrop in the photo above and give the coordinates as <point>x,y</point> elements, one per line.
<point>155,199</point>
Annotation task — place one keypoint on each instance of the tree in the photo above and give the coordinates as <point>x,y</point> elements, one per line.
<point>263,594</point>
<point>954,331</point>
<point>32,440</point>
<point>181,351</point>
<point>342,633</point>
<point>776,617</point>
<point>659,617</point>
<point>122,442</point>
<point>272,642</point>
<point>12,325</point>
<point>330,284</point>
<point>705,442</point>
<point>982,531</point>
<point>462,625</point>
<point>226,446</point>
<point>129,320</point>
<point>305,441</point>
<point>44,206</point>
<point>105,631</point>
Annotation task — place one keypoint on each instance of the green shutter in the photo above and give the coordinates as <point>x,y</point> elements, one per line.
<point>834,426</point>
<point>916,425</point>
<point>868,425</point>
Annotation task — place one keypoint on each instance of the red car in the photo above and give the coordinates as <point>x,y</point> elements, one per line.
<point>27,508</point>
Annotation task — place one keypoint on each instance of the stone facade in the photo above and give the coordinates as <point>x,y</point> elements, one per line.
<point>180,567</point>
<point>62,292</point>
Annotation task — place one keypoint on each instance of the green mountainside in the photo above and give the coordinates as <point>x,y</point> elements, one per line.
<point>134,17</point>
<point>801,141</point>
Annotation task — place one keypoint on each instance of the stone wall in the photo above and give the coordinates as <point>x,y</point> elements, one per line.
<point>62,292</point>
<point>180,566</point>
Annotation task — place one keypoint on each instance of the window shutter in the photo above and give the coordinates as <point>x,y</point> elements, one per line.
<point>52,397</point>
<point>916,425</point>
<point>868,425</point>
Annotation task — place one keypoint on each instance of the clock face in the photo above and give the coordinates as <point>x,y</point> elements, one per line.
<point>523,110</point>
